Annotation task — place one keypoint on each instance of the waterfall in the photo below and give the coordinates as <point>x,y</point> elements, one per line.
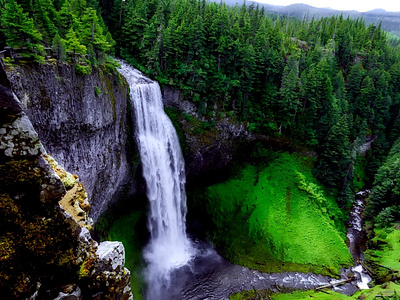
<point>164,173</point>
<point>355,236</point>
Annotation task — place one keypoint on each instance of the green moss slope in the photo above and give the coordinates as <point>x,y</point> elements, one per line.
<point>383,254</point>
<point>277,218</point>
<point>388,253</point>
<point>389,290</point>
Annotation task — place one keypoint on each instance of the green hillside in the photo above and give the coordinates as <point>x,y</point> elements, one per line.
<point>277,217</point>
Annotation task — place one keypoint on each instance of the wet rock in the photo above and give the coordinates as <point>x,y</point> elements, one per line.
<point>111,255</point>
<point>211,149</point>
<point>19,138</point>
<point>109,273</point>
<point>173,98</point>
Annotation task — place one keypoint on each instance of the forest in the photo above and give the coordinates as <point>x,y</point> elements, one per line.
<point>74,31</point>
<point>331,86</point>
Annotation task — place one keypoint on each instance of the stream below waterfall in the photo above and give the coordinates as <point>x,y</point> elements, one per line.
<point>209,276</point>
<point>180,268</point>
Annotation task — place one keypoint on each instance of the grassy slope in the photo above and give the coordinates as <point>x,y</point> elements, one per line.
<point>389,252</point>
<point>383,254</point>
<point>387,290</point>
<point>277,218</point>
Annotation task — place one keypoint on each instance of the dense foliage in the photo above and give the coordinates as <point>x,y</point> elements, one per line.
<point>74,30</point>
<point>328,83</point>
<point>384,202</point>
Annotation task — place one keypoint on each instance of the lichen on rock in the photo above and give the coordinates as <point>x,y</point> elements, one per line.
<point>75,202</point>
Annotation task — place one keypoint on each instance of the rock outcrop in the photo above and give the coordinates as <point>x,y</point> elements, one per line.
<point>207,147</point>
<point>46,250</point>
<point>82,122</point>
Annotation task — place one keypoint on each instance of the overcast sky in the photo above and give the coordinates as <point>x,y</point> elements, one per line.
<point>360,5</point>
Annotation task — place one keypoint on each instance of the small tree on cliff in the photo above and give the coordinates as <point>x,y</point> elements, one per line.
<point>58,47</point>
<point>92,35</point>
<point>73,44</point>
<point>20,31</point>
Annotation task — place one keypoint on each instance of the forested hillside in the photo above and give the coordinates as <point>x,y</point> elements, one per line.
<point>328,84</point>
<point>74,30</point>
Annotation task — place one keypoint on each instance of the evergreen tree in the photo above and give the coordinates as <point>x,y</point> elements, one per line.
<point>92,35</point>
<point>288,102</point>
<point>384,201</point>
<point>334,159</point>
<point>73,44</point>
<point>59,47</point>
<point>20,31</point>
<point>46,18</point>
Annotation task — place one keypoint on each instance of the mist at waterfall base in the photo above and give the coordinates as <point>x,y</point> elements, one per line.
<point>178,268</point>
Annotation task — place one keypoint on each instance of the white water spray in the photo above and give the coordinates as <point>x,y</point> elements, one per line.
<point>164,173</point>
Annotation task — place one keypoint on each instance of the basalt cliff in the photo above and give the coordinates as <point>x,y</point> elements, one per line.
<point>46,250</point>
<point>82,122</point>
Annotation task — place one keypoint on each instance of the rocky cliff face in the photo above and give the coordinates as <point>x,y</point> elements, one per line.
<point>46,251</point>
<point>82,122</point>
<point>207,148</point>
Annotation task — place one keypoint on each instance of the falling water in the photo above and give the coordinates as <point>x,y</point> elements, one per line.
<point>206,276</point>
<point>164,173</point>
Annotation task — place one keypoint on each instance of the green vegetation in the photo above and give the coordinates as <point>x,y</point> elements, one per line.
<point>97,91</point>
<point>20,30</point>
<point>383,254</point>
<point>74,30</point>
<point>328,83</point>
<point>276,217</point>
<point>385,291</point>
<point>127,229</point>
<point>383,204</point>
<point>123,230</point>
<point>389,248</point>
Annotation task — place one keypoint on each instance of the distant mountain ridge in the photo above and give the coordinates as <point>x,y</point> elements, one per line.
<point>390,20</point>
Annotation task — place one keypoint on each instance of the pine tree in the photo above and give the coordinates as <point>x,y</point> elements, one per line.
<point>288,102</point>
<point>73,44</point>
<point>92,34</point>
<point>334,158</point>
<point>20,31</point>
<point>59,47</point>
<point>46,18</point>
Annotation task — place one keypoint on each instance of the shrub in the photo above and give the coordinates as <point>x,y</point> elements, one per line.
<point>97,91</point>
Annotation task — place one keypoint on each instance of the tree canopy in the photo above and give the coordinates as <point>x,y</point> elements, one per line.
<point>32,25</point>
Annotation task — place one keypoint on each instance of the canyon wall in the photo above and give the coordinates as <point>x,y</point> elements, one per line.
<point>46,250</point>
<point>82,121</point>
